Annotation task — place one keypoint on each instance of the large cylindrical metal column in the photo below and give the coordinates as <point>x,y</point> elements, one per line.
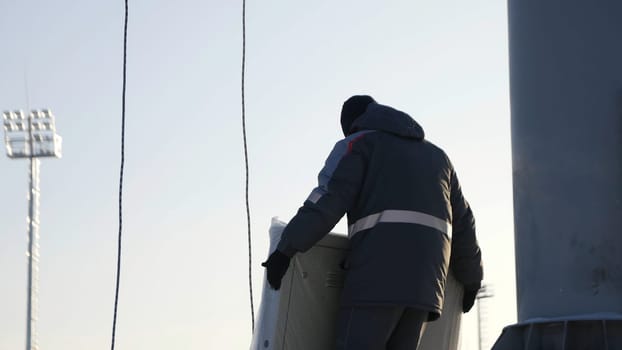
<point>566,103</point>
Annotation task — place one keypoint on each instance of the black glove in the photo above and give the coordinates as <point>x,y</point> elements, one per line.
<point>276,267</point>
<point>469,299</point>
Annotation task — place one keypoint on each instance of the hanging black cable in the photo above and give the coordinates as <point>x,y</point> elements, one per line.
<point>248,212</point>
<point>116,294</point>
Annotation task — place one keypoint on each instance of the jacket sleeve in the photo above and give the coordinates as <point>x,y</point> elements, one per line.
<point>466,256</point>
<point>339,184</point>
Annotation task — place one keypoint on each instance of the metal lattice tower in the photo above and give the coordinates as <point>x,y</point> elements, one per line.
<point>32,137</point>
<point>485,292</point>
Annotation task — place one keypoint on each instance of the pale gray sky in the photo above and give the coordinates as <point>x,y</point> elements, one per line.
<point>184,279</point>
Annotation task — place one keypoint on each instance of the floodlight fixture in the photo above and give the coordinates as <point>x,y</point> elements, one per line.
<point>31,136</point>
<point>486,291</point>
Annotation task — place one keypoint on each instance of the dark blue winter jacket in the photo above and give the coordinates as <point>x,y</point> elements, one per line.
<point>408,221</point>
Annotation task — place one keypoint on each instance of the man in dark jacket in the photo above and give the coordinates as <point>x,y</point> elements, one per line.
<point>408,223</point>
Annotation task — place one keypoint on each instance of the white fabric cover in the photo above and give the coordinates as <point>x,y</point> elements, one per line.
<point>302,314</point>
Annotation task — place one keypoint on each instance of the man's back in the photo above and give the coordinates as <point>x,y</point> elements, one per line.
<point>400,223</point>
<point>405,173</point>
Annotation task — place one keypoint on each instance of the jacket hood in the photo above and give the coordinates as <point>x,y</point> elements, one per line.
<point>388,119</point>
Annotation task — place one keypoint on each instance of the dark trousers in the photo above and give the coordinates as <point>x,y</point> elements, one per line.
<point>379,328</point>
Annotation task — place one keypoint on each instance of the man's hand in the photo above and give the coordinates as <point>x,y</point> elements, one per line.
<point>469,299</point>
<point>276,267</point>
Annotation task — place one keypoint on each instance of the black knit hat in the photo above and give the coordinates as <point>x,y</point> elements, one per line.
<point>352,109</point>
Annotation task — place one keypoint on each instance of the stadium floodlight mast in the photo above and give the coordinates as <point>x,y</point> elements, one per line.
<point>485,292</point>
<point>33,136</point>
